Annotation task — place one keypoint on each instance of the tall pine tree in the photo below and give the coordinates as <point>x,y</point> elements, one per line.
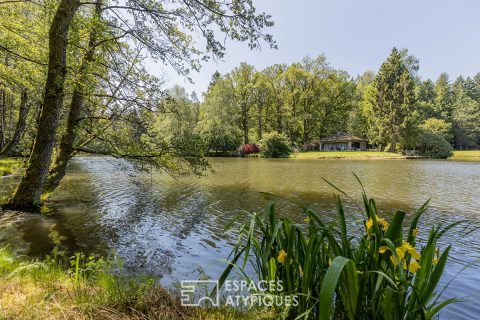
<point>392,101</point>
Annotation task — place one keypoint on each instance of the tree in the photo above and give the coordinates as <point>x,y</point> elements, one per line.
<point>163,30</point>
<point>358,116</point>
<point>466,117</point>
<point>241,80</point>
<point>425,97</point>
<point>28,192</point>
<point>439,127</point>
<point>179,117</point>
<point>67,143</point>
<point>218,123</point>
<point>443,98</point>
<point>392,100</point>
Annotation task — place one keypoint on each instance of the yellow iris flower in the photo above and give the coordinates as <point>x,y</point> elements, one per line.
<point>383,249</point>
<point>281,256</point>
<point>380,221</point>
<point>413,266</point>
<point>369,223</point>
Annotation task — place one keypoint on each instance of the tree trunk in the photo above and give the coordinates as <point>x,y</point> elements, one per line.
<point>3,105</point>
<point>20,127</point>
<point>28,192</point>
<point>393,146</point>
<point>260,124</point>
<point>67,144</point>
<point>245,123</point>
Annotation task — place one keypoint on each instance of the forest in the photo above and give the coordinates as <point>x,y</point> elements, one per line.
<point>310,100</point>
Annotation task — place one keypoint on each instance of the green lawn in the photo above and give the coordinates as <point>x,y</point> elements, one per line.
<point>9,165</point>
<point>466,155</point>
<point>345,155</point>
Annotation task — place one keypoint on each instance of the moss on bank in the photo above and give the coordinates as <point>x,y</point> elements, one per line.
<point>33,289</point>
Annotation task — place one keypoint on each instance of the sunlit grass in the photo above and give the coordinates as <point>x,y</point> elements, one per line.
<point>10,165</point>
<point>87,288</point>
<point>345,155</point>
<point>466,155</point>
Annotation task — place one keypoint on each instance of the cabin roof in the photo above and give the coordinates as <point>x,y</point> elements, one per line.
<point>342,138</point>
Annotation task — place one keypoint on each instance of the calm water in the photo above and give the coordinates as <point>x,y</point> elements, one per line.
<point>174,228</point>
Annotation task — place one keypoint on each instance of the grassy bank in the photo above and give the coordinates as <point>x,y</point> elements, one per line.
<point>9,165</point>
<point>87,289</point>
<point>466,155</point>
<point>345,155</point>
<point>461,155</point>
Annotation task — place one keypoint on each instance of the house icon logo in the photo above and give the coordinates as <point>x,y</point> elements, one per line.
<point>194,293</point>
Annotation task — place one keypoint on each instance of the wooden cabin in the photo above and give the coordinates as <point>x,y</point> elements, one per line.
<point>343,142</point>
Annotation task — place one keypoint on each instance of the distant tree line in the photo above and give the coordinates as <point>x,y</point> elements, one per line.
<point>394,109</point>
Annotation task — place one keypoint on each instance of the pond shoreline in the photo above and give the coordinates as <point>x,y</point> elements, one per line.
<point>460,155</point>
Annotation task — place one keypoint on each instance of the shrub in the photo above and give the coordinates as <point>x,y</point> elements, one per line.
<point>434,146</point>
<point>248,148</point>
<point>380,273</point>
<point>275,145</point>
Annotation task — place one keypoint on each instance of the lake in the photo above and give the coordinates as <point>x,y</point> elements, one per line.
<point>173,228</point>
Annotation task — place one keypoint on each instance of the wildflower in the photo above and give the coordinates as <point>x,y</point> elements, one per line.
<point>414,266</point>
<point>415,232</point>
<point>369,223</point>
<point>281,256</point>
<point>383,249</point>
<point>394,260</point>
<point>400,252</point>
<point>435,261</point>
<point>306,220</point>
<point>383,223</point>
<point>413,252</point>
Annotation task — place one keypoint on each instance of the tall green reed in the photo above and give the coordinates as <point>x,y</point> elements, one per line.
<point>383,273</point>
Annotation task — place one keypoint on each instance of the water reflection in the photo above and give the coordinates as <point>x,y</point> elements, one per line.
<point>170,227</point>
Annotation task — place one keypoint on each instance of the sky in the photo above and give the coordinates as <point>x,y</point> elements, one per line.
<point>358,35</point>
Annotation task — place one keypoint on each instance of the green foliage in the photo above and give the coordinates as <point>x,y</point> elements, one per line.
<point>391,101</point>
<point>274,145</point>
<point>380,272</point>
<point>218,119</point>
<point>439,127</point>
<point>434,146</point>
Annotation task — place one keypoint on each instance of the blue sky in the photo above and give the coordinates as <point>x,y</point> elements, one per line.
<point>357,35</point>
